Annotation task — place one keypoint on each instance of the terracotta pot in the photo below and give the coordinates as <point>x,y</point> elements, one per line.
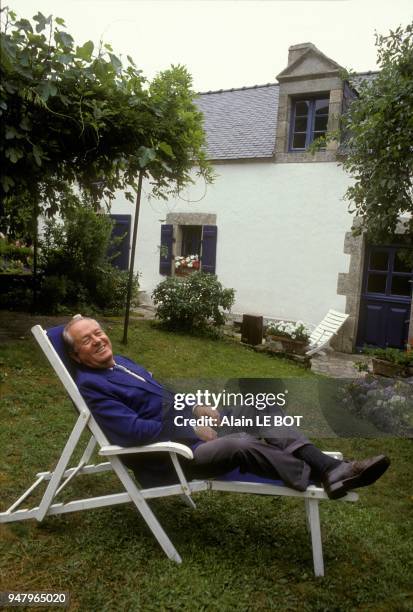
<point>184,271</point>
<point>288,345</point>
<point>382,367</point>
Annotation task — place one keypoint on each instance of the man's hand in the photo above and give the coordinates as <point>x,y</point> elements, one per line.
<point>205,433</point>
<point>208,412</point>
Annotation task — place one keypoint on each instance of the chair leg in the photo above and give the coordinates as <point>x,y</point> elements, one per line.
<point>60,468</point>
<point>188,501</point>
<point>182,479</point>
<point>145,510</point>
<point>313,517</point>
<point>307,514</point>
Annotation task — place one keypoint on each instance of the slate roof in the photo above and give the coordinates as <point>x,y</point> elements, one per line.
<point>360,77</point>
<point>242,123</point>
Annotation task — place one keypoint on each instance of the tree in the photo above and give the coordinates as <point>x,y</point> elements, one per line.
<point>379,124</point>
<point>78,122</point>
<point>79,126</point>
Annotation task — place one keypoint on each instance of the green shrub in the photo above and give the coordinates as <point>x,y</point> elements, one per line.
<point>195,301</point>
<point>16,296</point>
<point>53,290</point>
<point>15,257</point>
<point>75,251</point>
<point>111,289</point>
<point>392,355</point>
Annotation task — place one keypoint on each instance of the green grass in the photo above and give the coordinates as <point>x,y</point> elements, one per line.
<point>239,552</point>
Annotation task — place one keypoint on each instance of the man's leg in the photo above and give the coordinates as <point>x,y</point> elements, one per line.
<point>151,469</point>
<point>291,440</point>
<point>336,476</point>
<point>222,455</point>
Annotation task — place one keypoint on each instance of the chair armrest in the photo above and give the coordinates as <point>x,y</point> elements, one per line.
<point>171,447</point>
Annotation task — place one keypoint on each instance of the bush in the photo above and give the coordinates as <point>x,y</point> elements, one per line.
<point>111,289</point>
<point>76,268</point>
<point>53,290</point>
<point>392,355</point>
<point>15,257</point>
<point>195,301</point>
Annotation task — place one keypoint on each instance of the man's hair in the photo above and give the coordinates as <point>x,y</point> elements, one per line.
<point>67,338</point>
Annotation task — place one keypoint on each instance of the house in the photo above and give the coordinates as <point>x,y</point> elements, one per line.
<point>274,225</point>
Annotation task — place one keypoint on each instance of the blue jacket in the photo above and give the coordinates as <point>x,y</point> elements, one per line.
<point>129,411</point>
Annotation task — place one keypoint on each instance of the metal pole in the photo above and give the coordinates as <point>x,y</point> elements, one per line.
<point>35,237</point>
<point>132,259</point>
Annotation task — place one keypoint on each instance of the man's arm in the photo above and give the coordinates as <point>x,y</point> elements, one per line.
<point>124,426</point>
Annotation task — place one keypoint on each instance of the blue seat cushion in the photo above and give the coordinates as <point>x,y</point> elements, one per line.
<point>55,335</point>
<point>236,475</point>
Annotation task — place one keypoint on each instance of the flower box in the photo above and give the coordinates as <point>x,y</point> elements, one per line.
<point>287,345</point>
<point>186,265</point>
<point>381,367</point>
<point>184,271</point>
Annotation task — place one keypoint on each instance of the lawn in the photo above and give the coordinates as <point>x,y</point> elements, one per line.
<point>239,552</point>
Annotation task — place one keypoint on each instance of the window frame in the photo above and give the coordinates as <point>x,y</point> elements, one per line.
<point>309,139</point>
<point>389,274</point>
<point>171,242</point>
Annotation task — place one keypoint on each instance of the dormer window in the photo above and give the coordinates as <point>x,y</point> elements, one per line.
<point>309,122</point>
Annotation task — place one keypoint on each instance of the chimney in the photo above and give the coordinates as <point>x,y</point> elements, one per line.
<point>295,51</point>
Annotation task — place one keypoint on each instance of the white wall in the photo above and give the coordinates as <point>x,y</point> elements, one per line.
<point>280,235</point>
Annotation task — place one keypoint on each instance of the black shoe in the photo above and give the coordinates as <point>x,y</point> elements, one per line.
<point>352,474</point>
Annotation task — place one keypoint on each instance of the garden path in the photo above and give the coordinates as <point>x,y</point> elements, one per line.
<point>337,365</point>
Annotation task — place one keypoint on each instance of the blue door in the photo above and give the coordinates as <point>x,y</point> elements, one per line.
<point>121,236</point>
<point>386,298</point>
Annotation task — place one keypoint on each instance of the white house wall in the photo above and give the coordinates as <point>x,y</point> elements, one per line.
<point>280,242</point>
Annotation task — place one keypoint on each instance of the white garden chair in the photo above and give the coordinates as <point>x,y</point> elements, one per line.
<point>320,337</point>
<point>61,475</point>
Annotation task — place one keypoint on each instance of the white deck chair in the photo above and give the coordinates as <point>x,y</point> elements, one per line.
<point>62,475</point>
<point>320,337</point>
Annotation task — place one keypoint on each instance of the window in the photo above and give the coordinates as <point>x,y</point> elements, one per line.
<point>389,272</point>
<point>191,240</point>
<point>184,240</point>
<point>309,122</point>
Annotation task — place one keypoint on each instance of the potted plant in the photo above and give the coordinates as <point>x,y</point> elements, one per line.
<point>391,362</point>
<point>186,265</point>
<point>288,337</point>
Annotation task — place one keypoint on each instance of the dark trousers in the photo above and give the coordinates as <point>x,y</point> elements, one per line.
<point>272,459</point>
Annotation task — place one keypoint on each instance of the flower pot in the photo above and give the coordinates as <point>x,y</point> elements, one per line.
<point>184,271</point>
<point>387,368</point>
<point>288,345</point>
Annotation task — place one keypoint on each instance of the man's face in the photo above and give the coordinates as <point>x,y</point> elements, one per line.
<point>92,347</point>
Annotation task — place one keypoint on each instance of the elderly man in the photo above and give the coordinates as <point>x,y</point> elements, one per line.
<point>132,409</point>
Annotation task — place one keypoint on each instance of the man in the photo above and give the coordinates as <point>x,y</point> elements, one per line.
<point>134,409</point>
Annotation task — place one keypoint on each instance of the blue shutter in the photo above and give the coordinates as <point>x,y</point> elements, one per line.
<point>121,228</point>
<point>165,260</point>
<point>209,248</point>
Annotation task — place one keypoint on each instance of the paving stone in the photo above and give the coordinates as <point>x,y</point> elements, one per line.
<point>338,365</point>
